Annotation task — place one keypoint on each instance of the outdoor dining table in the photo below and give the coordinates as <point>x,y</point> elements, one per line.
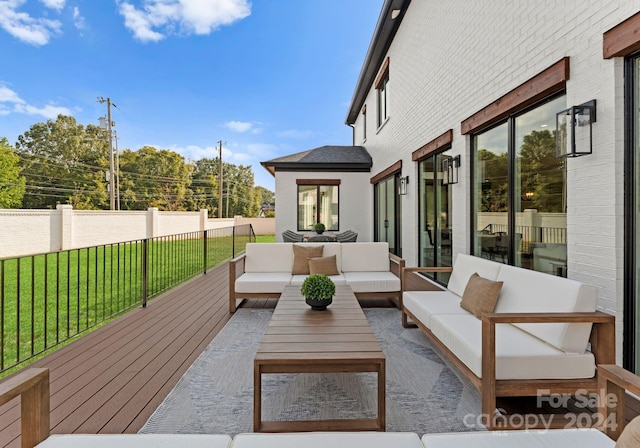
<point>310,237</point>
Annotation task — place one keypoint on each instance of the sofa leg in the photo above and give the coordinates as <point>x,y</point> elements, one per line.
<point>232,305</point>
<point>406,323</point>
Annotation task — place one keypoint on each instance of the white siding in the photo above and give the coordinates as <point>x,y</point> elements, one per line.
<point>356,201</point>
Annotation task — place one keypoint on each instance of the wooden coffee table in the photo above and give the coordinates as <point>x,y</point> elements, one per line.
<point>300,340</point>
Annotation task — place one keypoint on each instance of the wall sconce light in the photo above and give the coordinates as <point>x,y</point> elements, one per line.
<point>402,188</point>
<point>573,130</point>
<point>450,167</point>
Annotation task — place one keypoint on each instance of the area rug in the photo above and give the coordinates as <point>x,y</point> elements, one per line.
<point>424,394</point>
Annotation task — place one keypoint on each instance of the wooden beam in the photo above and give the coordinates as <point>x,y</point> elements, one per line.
<point>623,39</point>
<point>387,172</point>
<point>382,73</point>
<point>551,80</point>
<point>438,143</point>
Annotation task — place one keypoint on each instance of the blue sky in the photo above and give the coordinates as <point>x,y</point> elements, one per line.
<point>267,77</point>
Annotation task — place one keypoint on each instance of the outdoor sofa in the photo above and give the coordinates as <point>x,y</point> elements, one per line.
<point>543,336</point>
<point>32,385</point>
<point>263,270</point>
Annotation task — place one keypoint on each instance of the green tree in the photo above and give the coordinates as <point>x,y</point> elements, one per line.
<point>63,162</point>
<point>12,185</point>
<point>154,178</point>
<point>265,195</point>
<point>204,186</point>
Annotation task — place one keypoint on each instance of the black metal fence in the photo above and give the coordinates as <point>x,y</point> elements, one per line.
<point>47,299</point>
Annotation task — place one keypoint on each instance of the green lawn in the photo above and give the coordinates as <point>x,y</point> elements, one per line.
<point>50,298</point>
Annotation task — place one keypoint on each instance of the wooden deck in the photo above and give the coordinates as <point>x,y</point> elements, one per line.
<point>111,380</point>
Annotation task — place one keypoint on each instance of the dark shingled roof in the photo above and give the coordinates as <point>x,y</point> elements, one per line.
<point>324,158</point>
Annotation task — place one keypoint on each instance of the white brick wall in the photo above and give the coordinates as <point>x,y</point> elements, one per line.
<point>356,206</point>
<point>451,59</point>
<point>28,232</point>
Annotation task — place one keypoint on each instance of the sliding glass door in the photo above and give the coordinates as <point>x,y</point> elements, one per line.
<point>387,213</point>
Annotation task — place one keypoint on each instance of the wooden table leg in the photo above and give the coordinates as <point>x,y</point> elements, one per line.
<point>257,397</point>
<point>382,407</point>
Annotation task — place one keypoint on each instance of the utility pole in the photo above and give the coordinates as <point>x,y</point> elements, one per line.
<point>220,170</point>
<point>112,190</point>
<point>115,137</point>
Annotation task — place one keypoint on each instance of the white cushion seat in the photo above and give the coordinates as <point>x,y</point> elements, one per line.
<point>329,439</point>
<point>136,441</point>
<point>372,281</point>
<point>560,438</point>
<point>519,355</point>
<point>262,282</point>
<point>424,304</point>
<point>338,280</point>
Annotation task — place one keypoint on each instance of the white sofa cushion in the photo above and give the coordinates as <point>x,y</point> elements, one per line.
<point>372,281</point>
<point>273,257</point>
<point>465,266</point>
<point>329,439</point>
<point>256,282</point>
<point>365,257</point>
<point>136,440</point>
<point>519,355</point>
<point>526,291</point>
<point>338,280</point>
<point>554,438</point>
<point>424,304</point>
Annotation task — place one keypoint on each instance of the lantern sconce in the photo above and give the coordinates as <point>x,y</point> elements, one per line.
<point>402,188</point>
<point>450,167</point>
<point>574,132</point>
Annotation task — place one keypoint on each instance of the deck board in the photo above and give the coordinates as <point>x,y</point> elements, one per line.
<point>113,379</point>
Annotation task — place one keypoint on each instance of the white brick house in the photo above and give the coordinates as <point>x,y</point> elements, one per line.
<point>484,81</point>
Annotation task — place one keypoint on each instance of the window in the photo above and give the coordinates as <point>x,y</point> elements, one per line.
<point>364,123</point>
<point>435,203</point>
<point>632,210</point>
<point>519,192</point>
<point>318,201</point>
<point>382,89</point>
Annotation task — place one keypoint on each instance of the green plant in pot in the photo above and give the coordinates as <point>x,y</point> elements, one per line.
<point>319,228</point>
<point>318,290</point>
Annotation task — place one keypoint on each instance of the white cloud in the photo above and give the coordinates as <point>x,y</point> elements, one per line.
<point>34,31</point>
<point>49,111</point>
<point>294,133</point>
<point>238,126</point>
<point>155,19</point>
<point>10,98</point>
<point>54,4</point>
<point>78,19</point>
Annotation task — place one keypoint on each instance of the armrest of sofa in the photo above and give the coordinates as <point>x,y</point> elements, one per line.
<point>423,269</point>
<point>613,381</point>
<point>396,265</point>
<point>32,386</point>
<point>602,340</point>
<point>236,269</point>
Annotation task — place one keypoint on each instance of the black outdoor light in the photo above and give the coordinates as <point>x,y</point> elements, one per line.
<point>450,167</point>
<point>574,130</point>
<point>402,187</point>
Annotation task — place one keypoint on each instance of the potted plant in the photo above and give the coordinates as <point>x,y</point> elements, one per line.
<point>319,228</point>
<point>318,290</point>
